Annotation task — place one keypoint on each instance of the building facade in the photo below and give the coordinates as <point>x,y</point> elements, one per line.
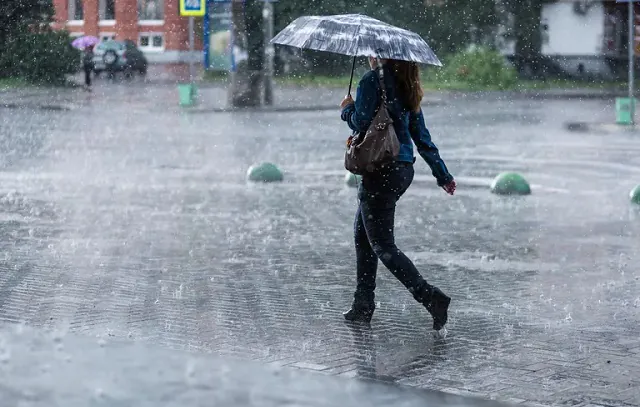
<point>155,25</point>
<point>586,37</point>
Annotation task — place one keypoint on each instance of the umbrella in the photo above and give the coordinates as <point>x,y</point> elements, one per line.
<point>85,41</point>
<point>356,35</point>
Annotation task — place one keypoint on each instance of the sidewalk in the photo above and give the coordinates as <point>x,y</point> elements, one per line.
<point>173,74</point>
<point>161,82</point>
<point>213,97</point>
<point>48,369</point>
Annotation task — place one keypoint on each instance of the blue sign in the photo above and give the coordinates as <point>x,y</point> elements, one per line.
<point>193,8</point>
<point>218,44</point>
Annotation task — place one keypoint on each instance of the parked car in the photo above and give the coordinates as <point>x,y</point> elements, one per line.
<point>119,56</point>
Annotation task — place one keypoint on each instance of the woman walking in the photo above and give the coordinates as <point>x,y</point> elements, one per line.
<point>380,190</point>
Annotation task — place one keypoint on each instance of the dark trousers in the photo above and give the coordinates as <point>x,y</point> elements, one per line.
<point>378,194</point>
<point>87,75</point>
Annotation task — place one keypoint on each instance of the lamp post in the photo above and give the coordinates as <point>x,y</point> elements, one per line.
<point>191,9</point>
<point>632,53</point>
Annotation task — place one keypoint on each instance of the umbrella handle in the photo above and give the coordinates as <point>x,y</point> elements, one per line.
<point>353,67</point>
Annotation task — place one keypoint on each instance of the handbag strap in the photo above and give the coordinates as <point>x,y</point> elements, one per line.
<point>383,88</point>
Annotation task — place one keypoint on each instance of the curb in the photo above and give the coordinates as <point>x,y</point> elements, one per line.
<point>34,106</point>
<point>572,96</point>
<point>282,109</point>
<point>586,127</point>
<point>536,95</point>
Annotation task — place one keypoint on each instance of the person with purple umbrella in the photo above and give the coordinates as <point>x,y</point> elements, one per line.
<point>86,44</point>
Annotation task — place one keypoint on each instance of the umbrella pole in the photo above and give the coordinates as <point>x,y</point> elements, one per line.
<point>353,67</point>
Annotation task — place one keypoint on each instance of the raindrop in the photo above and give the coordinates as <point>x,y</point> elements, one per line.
<point>190,371</point>
<point>5,353</point>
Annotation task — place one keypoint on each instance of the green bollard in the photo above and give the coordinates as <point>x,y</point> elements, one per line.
<point>634,195</point>
<point>264,172</point>
<point>510,183</point>
<point>351,179</point>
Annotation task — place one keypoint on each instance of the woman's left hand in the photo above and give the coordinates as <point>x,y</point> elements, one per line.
<point>348,100</point>
<point>450,188</point>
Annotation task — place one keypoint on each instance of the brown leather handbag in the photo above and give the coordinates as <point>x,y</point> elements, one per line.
<point>379,145</point>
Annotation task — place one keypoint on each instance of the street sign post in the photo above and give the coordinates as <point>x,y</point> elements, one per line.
<point>191,9</point>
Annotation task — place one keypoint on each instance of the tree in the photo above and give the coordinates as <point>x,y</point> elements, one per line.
<point>450,25</point>
<point>246,81</point>
<point>30,49</point>
<point>525,30</point>
<point>18,16</point>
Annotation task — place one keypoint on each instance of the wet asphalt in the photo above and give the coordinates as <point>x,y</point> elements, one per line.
<point>123,215</point>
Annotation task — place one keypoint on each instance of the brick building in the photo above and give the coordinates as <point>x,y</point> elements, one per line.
<point>155,25</point>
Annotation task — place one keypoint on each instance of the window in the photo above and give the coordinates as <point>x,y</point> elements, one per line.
<point>107,36</point>
<point>118,46</point>
<point>151,41</point>
<point>151,10</point>
<point>75,10</point>
<point>107,9</point>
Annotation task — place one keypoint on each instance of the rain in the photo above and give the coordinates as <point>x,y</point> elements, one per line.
<point>177,219</point>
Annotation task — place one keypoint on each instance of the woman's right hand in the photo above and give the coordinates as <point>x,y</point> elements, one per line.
<point>346,101</point>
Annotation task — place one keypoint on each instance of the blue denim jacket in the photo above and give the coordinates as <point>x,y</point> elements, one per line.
<point>407,124</point>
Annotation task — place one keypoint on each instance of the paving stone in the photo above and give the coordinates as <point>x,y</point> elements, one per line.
<point>143,229</point>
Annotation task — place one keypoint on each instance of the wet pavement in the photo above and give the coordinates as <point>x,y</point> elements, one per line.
<point>126,217</point>
<point>158,94</point>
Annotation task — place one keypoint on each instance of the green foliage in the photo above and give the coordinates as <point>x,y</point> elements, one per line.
<point>19,16</point>
<point>43,57</point>
<point>450,25</point>
<point>480,68</point>
<point>30,49</point>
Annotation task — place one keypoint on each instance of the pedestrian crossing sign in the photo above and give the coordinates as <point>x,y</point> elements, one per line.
<point>192,8</point>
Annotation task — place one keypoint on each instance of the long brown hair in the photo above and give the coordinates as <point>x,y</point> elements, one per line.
<point>407,76</point>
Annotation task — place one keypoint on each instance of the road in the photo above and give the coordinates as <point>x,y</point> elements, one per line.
<point>124,216</point>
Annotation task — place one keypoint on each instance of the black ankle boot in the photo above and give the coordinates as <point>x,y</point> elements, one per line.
<point>437,303</point>
<point>361,309</point>
<point>358,315</point>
